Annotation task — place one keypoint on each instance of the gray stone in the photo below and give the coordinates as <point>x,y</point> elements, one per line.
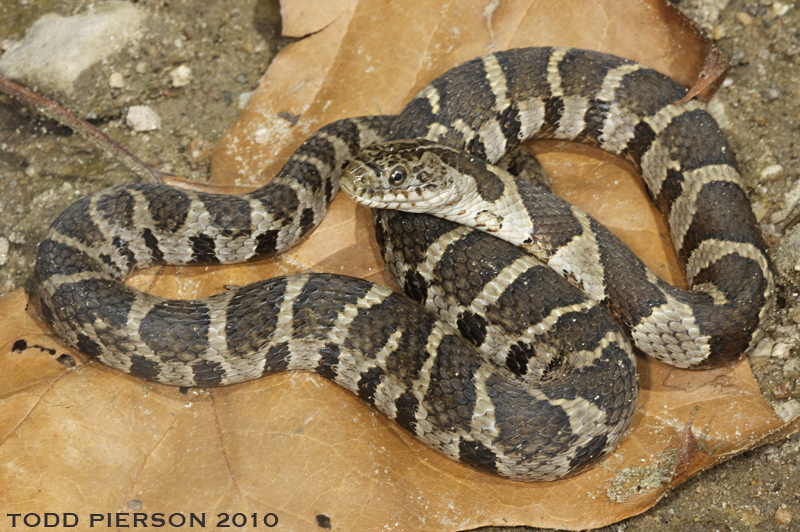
<point>181,76</point>
<point>4,247</point>
<point>788,410</point>
<point>116,80</point>
<point>142,118</point>
<point>786,257</point>
<point>57,52</point>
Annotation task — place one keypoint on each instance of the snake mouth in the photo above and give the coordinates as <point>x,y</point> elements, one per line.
<point>379,198</point>
<point>358,178</point>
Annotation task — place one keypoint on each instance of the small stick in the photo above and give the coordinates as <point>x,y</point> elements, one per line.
<point>55,112</point>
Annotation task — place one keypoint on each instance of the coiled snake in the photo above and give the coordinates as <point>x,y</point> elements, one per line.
<point>511,369</point>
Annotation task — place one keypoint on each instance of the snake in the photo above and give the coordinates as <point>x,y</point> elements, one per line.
<point>491,357</point>
<point>423,177</point>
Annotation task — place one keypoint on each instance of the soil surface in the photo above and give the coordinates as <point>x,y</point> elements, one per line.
<point>229,44</point>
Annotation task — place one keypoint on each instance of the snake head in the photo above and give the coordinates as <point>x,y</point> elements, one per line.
<point>408,175</point>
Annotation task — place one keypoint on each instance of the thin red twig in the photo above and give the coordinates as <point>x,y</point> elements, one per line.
<point>54,111</point>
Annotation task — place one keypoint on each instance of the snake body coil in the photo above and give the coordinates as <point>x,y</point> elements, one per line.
<point>511,370</point>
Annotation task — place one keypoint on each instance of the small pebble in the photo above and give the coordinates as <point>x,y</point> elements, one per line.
<point>116,81</point>
<point>135,504</point>
<point>788,409</point>
<point>780,350</point>
<point>760,209</point>
<point>719,32</point>
<point>771,173</point>
<point>780,9</point>
<point>4,246</point>
<point>142,118</point>
<point>787,257</point>
<point>792,366</point>
<point>181,76</point>
<point>744,18</point>
<point>141,67</point>
<point>244,98</point>
<point>241,78</point>
<point>772,94</point>
<point>783,516</point>
<point>763,349</point>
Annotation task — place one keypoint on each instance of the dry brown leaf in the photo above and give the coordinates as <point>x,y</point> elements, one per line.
<point>91,440</point>
<point>304,17</point>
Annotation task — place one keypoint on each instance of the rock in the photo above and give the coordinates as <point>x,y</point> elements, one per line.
<point>763,349</point>
<point>788,409</point>
<point>760,209</point>
<point>790,200</point>
<point>781,350</point>
<point>772,173</point>
<point>181,76</point>
<point>142,118</point>
<point>780,9</point>
<point>244,98</point>
<point>792,365</point>
<point>786,257</point>
<point>116,81</point>
<point>4,247</point>
<point>57,54</point>
<point>16,237</point>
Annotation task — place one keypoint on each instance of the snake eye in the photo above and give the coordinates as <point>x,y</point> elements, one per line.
<point>397,175</point>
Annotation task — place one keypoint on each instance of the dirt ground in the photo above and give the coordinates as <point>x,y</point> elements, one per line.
<point>229,44</point>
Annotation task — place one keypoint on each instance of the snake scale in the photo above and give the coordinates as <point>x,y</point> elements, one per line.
<point>492,358</point>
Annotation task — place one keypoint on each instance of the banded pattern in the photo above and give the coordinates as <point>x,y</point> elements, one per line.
<point>101,239</point>
<point>474,399</point>
<point>472,376</point>
<point>631,111</point>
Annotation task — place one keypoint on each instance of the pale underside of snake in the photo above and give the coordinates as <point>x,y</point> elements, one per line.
<point>509,369</point>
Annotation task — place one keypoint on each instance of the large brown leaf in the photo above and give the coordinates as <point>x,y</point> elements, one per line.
<point>92,440</point>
